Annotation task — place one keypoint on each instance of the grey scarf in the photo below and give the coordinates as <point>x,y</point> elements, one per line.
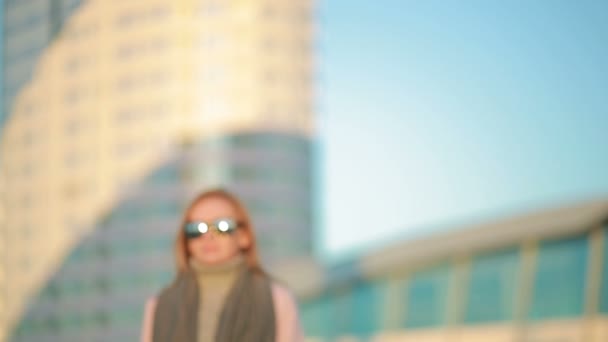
<point>247,316</point>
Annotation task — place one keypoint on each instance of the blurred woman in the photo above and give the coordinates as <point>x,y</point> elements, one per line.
<point>220,292</point>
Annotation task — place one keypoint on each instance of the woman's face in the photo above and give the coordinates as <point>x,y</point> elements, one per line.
<point>213,247</point>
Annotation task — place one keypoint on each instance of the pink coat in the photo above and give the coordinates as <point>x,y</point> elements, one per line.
<point>285,308</point>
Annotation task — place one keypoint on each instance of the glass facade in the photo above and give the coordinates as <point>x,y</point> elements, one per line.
<point>112,203</point>
<point>492,287</point>
<point>28,29</point>
<point>366,311</point>
<point>560,279</point>
<point>427,297</point>
<point>129,253</point>
<point>271,173</point>
<point>604,276</point>
<point>125,260</point>
<point>495,281</point>
<point>316,317</point>
<point>341,311</point>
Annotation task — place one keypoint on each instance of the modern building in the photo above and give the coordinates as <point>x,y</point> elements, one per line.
<point>538,277</point>
<point>29,27</point>
<point>115,116</point>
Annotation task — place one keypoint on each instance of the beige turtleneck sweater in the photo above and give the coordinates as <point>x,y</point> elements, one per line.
<point>214,283</point>
<point>217,281</point>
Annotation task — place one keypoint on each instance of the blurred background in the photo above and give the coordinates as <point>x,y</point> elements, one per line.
<point>416,170</point>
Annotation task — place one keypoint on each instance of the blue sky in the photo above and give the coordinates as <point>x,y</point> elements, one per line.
<point>437,113</point>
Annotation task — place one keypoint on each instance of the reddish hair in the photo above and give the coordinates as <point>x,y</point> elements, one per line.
<point>182,255</point>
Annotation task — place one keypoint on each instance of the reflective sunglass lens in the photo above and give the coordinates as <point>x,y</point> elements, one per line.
<point>224,225</point>
<point>196,229</point>
<point>202,227</point>
<point>191,230</point>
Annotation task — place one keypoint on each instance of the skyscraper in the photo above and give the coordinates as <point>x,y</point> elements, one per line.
<point>28,29</point>
<point>123,112</point>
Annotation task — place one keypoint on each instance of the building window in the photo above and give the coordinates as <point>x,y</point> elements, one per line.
<point>210,42</point>
<point>268,12</point>
<point>270,78</point>
<point>268,45</point>
<point>26,231</point>
<point>342,312</point>
<point>166,174</point>
<point>559,285</point>
<point>70,5</point>
<point>366,308</point>
<point>53,291</point>
<point>52,324</point>
<point>130,19</point>
<point>159,12</point>
<point>76,33</point>
<point>70,321</point>
<point>158,45</point>
<point>126,150</point>
<point>316,318</point>
<point>492,289</point>
<point>75,95</point>
<point>269,175</point>
<point>213,75</point>
<point>427,297</point>
<point>126,115</point>
<point>102,285</point>
<point>127,316</point>
<point>211,9</point>
<point>604,284</point>
<point>74,159</point>
<point>102,319</point>
<point>74,126</point>
<point>102,251</point>
<point>77,63</point>
<point>24,23</point>
<point>126,19</point>
<point>167,209</point>
<point>158,77</point>
<point>125,51</point>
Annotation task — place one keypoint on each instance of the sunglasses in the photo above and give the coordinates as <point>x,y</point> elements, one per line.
<point>223,226</point>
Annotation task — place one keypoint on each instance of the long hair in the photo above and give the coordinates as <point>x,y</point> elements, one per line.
<point>182,255</point>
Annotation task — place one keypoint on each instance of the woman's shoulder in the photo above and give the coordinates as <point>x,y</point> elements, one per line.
<point>286,310</point>
<point>148,319</point>
<point>151,301</point>
<point>284,299</point>
<point>150,306</point>
<point>280,290</point>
